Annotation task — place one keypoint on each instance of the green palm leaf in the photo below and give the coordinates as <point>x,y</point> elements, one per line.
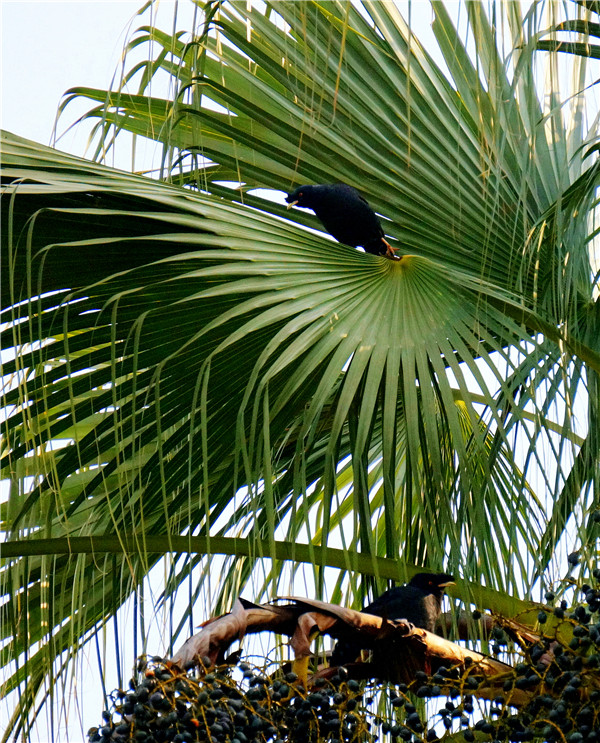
<point>189,366</point>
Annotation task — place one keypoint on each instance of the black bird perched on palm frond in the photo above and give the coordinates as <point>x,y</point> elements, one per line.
<point>419,602</point>
<point>345,215</point>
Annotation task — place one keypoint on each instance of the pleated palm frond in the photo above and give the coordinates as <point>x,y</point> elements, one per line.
<point>187,363</point>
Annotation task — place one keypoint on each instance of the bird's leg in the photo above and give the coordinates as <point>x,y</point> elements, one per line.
<point>300,665</point>
<point>389,251</point>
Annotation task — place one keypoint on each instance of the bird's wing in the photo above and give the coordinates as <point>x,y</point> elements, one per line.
<point>398,602</point>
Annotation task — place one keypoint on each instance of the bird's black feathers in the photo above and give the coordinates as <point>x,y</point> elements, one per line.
<point>345,214</point>
<point>419,602</point>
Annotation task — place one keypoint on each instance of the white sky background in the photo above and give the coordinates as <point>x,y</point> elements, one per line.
<point>47,47</point>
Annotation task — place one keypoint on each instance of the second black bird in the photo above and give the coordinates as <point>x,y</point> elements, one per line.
<point>345,214</point>
<point>419,602</point>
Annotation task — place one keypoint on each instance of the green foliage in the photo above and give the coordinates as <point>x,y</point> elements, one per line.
<point>186,363</point>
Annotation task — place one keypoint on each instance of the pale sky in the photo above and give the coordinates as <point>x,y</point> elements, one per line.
<point>49,46</point>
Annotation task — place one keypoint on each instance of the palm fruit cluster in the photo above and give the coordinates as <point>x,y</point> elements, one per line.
<point>565,693</point>
<point>559,679</point>
<point>170,705</point>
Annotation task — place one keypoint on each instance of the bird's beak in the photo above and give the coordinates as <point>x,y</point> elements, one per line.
<point>291,204</point>
<point>448,583</point>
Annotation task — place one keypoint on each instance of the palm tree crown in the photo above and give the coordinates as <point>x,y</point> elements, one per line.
<point>193,364</point>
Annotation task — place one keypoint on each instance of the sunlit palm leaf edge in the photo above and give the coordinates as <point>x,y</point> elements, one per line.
<point>566,37</point>
<point>67,400</point>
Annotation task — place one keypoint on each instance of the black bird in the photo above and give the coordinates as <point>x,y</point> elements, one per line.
<point>419,602</point>
<point>345,215</point>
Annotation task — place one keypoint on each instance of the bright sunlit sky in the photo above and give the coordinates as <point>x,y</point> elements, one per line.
<point>49,46</point>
